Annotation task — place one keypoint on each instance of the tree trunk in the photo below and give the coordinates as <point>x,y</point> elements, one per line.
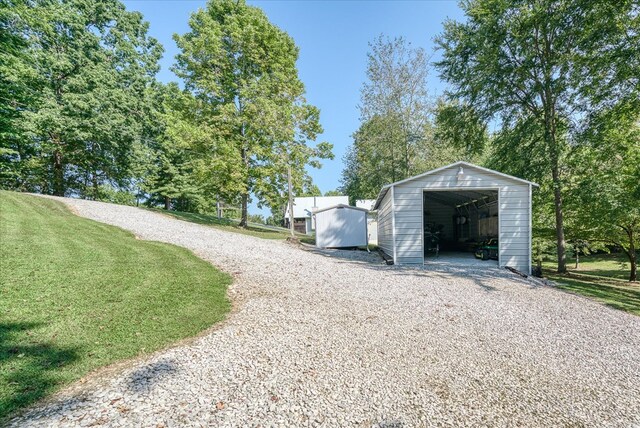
<point>94,181</point>
<point>167,203</point>
<point>290,192</point>
<point>245,195</point>
<point>633,256</point>
<point>560,244</point>
<point>552,145</point>
<point>58,174</point>
<point>577,258</point>
<point>548,100</point>
<point>244,214</point>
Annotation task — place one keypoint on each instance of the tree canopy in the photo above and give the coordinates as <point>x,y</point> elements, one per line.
<point>82,113</point>
<point>397,137</point>
<point>535,69</point>
<point>88,65</point>
<point>242,70</point>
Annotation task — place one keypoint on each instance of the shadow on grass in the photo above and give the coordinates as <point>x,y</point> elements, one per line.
<point>626,298</point>
<point>199,218</point>
<point>28,368</point>
<point>604,274</point>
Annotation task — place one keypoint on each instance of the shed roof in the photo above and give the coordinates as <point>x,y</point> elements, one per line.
<point>386,188</point>
<point>303,207</point>
<point>341,206</point>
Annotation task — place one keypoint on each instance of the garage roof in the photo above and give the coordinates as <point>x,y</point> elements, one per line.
<point>386,188</point>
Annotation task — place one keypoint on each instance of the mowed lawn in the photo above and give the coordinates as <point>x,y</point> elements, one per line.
<point>602,277</point>
<point>76,295</point>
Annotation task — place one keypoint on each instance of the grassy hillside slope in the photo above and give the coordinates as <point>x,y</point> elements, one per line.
<point>253,229</point>
<point>76,295</point>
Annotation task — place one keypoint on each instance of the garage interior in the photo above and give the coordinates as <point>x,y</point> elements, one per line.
<point>459,222</point>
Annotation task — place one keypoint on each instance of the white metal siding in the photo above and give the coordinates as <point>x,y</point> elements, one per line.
<point>514,203</point>
<point>341,227</point>
<point>385,226</point>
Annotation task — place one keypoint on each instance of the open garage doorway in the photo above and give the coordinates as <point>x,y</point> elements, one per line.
<point>461,227</point>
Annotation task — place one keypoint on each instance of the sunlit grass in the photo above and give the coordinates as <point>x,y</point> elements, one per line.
<point>253,229</point>
<point>76,295</point>
<point>602,277</point>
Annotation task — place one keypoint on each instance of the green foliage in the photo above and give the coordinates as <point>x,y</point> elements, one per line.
<point>397,137</point>
<point>77,295</point>
<point>172,165</point>
<point>606,181</point>
<point>87,64</point>
<point>16,94</point>
<point>108,193</point>
<point>458,126</point>
<point>81,113</point>
<point>256,218</point>
<point>537,70</point>
<point>242,72</point>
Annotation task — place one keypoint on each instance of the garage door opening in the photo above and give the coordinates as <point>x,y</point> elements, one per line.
<point>461,227</point>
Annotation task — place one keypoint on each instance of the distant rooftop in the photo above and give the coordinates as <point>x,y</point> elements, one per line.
<point>365,203</point>
<point>303,207</point>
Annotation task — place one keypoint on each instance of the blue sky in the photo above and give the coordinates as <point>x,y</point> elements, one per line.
<point>332,37</point>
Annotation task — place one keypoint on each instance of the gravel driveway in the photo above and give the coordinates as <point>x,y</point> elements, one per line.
<point>318,339</point>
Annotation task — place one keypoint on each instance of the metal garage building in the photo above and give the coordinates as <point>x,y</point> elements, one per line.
<point>451,210</point>
<point>341,226</point>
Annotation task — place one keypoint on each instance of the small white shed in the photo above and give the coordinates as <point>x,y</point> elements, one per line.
<point>457,209</point>
<point>341,226</point>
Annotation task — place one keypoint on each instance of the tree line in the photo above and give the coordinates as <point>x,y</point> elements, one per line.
<point>82,113</point>
<point>546,90</point>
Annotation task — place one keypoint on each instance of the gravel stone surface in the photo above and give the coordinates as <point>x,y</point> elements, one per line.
<point>337,338</point>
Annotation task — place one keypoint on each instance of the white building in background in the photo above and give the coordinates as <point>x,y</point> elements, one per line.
<point>372,219</point>
<point>367,204</point>
<point>304,207</point>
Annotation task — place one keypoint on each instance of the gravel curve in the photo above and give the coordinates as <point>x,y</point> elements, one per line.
<point>336,338</point>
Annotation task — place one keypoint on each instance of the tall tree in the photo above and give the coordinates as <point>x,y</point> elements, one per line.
<point>530,65</point>
<point>396,138</point>
<point>396,93</point>
<point>15,92</point>
<point>242,69</point>
<point>174,147</point>
<point>88,64</point>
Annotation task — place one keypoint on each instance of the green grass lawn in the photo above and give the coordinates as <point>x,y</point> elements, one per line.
<point>603,277</point>
<point>253,229</point>
<point>76,295</point>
